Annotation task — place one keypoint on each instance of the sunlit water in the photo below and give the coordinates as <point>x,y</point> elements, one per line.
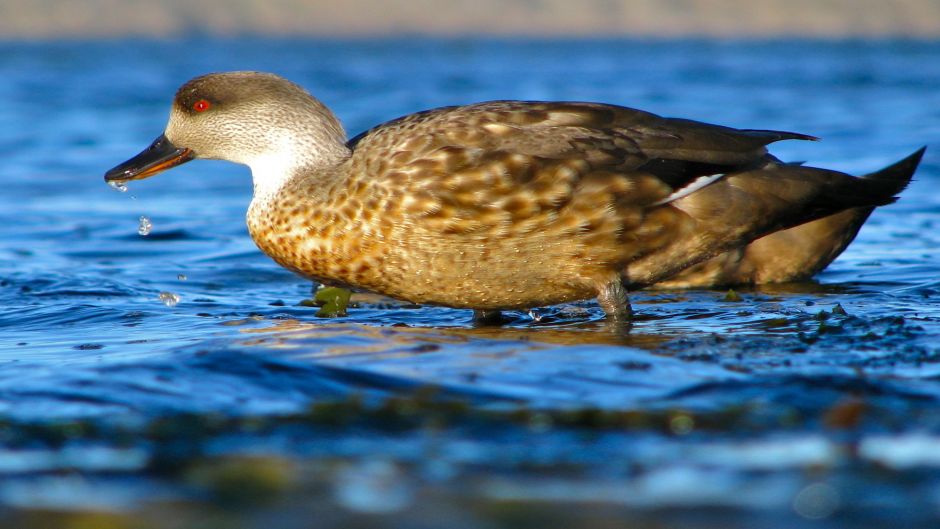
<point>119,310</point>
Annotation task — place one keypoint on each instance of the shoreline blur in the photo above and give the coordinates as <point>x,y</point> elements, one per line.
<point>58,19</point>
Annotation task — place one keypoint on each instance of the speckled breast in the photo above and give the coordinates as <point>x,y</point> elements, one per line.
<point>404,257</point>
<point>414,244</point>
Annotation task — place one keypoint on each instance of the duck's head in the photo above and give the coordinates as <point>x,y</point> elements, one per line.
<point>257,119</point>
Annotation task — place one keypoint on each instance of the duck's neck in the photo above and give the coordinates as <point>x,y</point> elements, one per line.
<point>270,174</point>
<point>272,171</point>
<point>304,141</point>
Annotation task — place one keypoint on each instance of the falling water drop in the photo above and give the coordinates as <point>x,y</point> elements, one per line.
<point>817,501</point>
<point>169,299</point>
<point>374,487</point>
<point>118,185</point>
<point>145,226</point>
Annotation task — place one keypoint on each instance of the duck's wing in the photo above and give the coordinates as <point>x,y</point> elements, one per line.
<point>505,161</point>
<point>798,253</point>
<point>795,254</point>
<point>529,136</point>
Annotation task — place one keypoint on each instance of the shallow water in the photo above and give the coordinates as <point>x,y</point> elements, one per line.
<point>116,399</point>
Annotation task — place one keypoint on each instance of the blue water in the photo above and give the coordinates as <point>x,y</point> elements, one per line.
<point>84,335</point>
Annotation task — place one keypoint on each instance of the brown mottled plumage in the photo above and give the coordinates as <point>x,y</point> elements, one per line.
<point>497,205</point>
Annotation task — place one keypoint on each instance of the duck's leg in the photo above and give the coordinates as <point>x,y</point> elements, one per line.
<point>612,297</point>
<point>487,317</point>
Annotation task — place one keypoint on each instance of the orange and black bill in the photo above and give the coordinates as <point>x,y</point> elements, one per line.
<point>160,156</point>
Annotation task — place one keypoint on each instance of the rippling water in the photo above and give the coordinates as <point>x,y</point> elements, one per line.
<point>778,406</point>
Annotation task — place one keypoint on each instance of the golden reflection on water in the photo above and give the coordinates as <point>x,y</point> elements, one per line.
<point>331,339</point>
<point>662,316</point>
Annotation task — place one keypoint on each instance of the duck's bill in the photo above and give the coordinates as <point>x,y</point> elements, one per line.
<point>160,156</point>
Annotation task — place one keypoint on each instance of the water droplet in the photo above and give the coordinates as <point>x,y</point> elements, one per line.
<point>373,486</point>
<point>118,185</point>
<point>682,424</point>
<point>169,299</point>
<point>145,226</point>
<point>181,277</point>
<point>817,501</point>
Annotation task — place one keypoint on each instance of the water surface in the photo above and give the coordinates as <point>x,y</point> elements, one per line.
<point>812,401</point>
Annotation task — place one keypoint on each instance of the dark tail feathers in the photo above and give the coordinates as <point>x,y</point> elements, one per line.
<point>894,178</point>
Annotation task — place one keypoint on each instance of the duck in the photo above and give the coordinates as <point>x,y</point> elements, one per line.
<point>498,205</point>
<point>792,255</point>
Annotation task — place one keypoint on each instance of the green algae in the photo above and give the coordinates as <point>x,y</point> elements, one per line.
<point>58,519</point>
<point>732,296</point>
<point>333,302</point>
<point>241,480</point>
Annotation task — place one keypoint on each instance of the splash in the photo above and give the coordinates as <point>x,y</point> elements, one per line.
<point>145,226</point>
<point>118,185</point>
<point>169,299</point>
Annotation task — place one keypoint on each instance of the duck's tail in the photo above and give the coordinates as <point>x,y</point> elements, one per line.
<point>743,207</point>
<point>875,189</point>
<point>894,178</point>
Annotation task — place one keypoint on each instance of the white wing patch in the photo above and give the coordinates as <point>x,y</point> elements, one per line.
<point>689,188</point>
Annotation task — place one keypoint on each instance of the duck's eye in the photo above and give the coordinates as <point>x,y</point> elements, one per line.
<point>202,105</point>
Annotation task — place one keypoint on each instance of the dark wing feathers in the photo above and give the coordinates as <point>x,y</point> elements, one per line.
<point>770,136</point>
<point>610,138</point>
<point>679,173</point>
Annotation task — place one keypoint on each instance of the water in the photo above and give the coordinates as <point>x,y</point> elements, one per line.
<point>183,365</point>
<point>118,186</point>
<point>144,226</point>
<point>169,299</point>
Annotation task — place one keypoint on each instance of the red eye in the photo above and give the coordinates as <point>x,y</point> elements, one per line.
<point>201,106</point>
